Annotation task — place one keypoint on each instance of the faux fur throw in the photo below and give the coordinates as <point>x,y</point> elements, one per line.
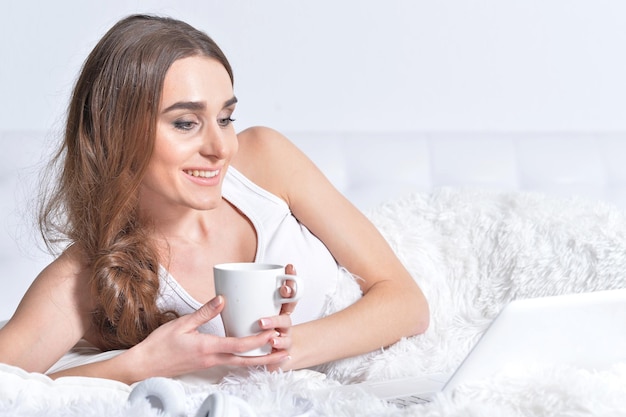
<point>471,252</point>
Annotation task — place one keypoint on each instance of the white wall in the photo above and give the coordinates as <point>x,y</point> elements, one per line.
<point>327,65</point>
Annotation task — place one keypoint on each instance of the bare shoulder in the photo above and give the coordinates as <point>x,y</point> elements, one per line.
<point>270,159</point>
<point>69,269</point>
<point>52,316</point>
<point>63,286</point>
<point>261,144</point>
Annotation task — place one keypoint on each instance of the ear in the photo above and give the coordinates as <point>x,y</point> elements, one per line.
<point>219,404</point>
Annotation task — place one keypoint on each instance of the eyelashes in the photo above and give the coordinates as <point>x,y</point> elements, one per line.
<point>184,125</point>
<point>188,125</point>
<point>225,121</point>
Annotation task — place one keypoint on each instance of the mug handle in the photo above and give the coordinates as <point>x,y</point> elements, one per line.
<point>298,289</point>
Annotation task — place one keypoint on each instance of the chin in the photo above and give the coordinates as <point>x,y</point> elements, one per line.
<point>208,205</point>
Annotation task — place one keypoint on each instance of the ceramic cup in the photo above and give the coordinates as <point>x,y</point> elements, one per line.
<point>252,293</point>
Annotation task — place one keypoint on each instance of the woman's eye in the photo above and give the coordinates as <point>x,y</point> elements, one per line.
<point>184,125</point>
<point>225,121</point>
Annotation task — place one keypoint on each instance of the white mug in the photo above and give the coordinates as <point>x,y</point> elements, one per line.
<point>252,293</point>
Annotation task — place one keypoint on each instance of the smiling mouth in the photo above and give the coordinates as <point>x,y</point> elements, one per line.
<point>202,174</point>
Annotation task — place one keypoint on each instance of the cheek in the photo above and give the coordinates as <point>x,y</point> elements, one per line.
<point>234,142</point>
<point>163,164</point>
<point>235,146</point>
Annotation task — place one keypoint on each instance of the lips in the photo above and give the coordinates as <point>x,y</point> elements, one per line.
<point>202,173</point>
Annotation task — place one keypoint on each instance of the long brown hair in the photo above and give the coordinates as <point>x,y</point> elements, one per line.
<point>107,146</point>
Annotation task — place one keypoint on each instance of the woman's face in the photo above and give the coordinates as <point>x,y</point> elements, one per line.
<point>195,137</point>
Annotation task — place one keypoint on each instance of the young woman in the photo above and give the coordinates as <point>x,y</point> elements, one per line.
<point>155,187</point>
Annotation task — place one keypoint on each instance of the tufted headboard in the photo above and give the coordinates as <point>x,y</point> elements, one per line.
<point>369,168</point>
<point>372,167</point>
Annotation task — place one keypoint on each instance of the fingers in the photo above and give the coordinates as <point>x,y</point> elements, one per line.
<point>277,322</point>
<point>287,290</point>
<point>288,308</point>
<point>278,355</point>
<point>205,313</point>
<point>275,358</point>
<point>239,345</point>
<point>281,342</point>
<point>282,325</point>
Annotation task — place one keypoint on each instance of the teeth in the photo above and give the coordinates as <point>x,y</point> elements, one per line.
<point>201,174</point>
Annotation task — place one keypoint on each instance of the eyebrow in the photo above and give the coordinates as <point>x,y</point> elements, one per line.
<point>196,105</point>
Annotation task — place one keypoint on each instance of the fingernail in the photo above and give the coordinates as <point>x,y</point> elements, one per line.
<point>216,302</point>
<point>264,323</point>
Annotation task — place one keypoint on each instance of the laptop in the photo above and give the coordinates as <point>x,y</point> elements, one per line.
<point>584,330</point>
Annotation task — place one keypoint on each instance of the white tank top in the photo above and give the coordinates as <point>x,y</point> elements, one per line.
<point>281,239</point>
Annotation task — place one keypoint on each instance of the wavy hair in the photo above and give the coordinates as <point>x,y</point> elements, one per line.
<point>108,143</point>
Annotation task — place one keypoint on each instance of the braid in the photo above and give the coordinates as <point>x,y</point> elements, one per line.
<point>126,283</point>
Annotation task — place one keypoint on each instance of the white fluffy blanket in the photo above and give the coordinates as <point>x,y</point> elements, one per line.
<point>471,252</point>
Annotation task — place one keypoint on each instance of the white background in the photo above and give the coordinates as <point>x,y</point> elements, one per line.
<point>332,65</point>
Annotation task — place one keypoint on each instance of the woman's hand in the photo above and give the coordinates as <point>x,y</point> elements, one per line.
<point>177,347</point>
<point>282,323</point>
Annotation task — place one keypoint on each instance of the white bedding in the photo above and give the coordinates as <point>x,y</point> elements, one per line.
<point>471,251</point>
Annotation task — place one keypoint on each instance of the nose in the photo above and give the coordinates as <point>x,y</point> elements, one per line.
<point>216,143</point>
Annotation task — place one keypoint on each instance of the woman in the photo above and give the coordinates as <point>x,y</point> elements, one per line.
<point>155,188</point>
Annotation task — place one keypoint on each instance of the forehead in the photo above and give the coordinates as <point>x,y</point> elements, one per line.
<point>196,78</point>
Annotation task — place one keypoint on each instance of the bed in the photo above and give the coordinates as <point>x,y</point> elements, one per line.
<point>478,220</point>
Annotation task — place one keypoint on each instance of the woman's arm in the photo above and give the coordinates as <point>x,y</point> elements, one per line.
<point>392,307</point>
<point>55,314</point>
